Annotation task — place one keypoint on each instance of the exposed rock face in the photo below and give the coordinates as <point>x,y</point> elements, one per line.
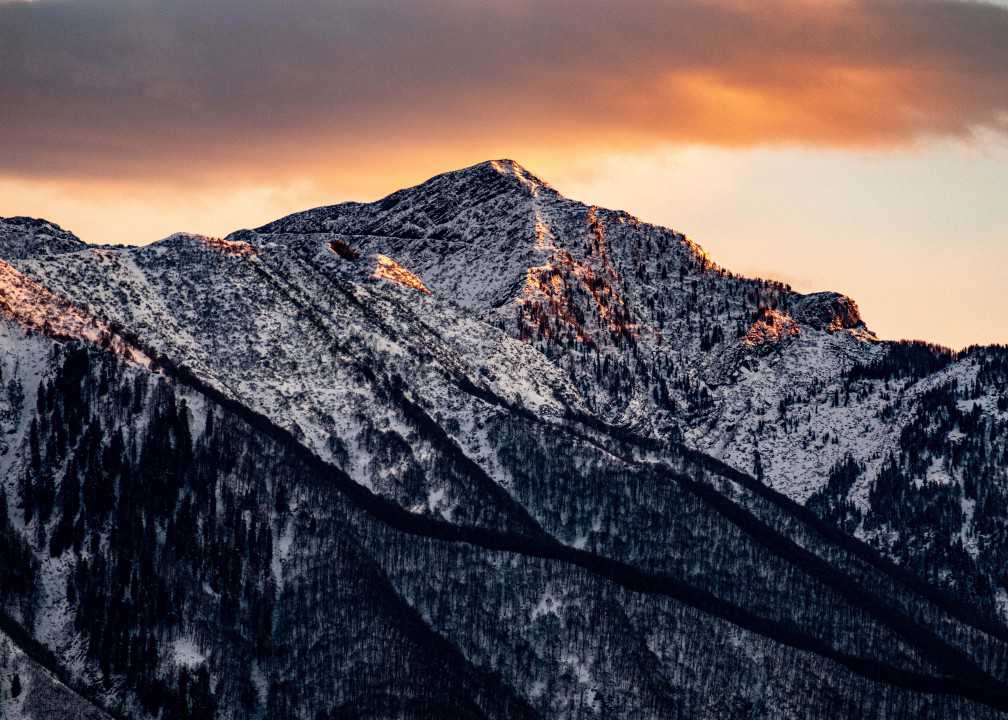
<point>388,269</point>
<point>771,328</point>
<point>828,311</point>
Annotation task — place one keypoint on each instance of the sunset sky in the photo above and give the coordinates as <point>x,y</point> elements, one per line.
<point>859,146</point>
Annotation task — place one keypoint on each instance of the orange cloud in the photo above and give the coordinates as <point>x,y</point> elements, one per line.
<point>190,92</point>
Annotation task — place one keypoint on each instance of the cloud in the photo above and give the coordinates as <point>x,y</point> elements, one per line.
<point>196,91</point>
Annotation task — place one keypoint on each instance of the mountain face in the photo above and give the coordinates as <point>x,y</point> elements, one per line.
<point>25,237</point>
<point>478,450</point>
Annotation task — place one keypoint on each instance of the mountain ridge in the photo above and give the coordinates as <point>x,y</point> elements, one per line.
<point>596,411</point>
<point>919,684</point>
<point>23,237</point>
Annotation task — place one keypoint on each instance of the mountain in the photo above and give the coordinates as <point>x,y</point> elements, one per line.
<point>25,237</point>
<point>659,340</point>
<point>479,450</point>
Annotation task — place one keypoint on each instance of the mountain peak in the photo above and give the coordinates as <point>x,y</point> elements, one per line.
<point>829,311</point>
<point>491,191</point>
<point>27,237</point>
<point>507,168</point>
<point>490,178</point>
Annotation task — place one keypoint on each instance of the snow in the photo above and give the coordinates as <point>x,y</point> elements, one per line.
<point>548,604</point>
<point>282,551</point>
<point>42,695</point>
<point>261,683</point>
<point>23,357</point>
<point>187,653</point>
<point>966,535</point>
<point>33,306</point>
<point>1001,600</point>
<point>582,673</point>
<point>388,269</point>
<point>22,237</point>
<point>277,320</point>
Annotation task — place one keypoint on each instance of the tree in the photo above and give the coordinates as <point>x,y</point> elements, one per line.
<point>26,495</point>
<point>65,534</point>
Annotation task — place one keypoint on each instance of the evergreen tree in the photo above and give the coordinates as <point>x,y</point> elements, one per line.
<point>26,495</point>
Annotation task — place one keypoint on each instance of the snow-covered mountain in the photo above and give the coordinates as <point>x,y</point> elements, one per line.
<point>477,449</point>
<point>25,237</point>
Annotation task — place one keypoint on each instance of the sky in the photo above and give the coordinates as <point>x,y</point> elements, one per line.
<point>851,145</point>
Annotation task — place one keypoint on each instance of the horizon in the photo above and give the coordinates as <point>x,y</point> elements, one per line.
<point>859,146</point>
<point>776,275</point>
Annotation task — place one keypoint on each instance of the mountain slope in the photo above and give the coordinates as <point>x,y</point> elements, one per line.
<point>660,340</point>
<point>25,237</point>
<point>446,454</point>
<point>169,480</point>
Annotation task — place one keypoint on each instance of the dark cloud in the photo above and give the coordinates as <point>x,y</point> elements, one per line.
<point>123,88</point>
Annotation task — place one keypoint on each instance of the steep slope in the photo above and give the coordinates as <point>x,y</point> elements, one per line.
<point>462,407</point>
<point>654,335</point>
<point>316,347</point>
<point>658,339</point>
<point>28,691</point>
<point>184,544</point>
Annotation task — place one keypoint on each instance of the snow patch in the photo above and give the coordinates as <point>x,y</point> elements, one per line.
<point>187,653</point>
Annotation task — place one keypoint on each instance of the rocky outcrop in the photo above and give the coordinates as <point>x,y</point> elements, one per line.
<point>828,311</point>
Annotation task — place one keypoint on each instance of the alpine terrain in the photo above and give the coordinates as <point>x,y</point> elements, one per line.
<point>477,450</point>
